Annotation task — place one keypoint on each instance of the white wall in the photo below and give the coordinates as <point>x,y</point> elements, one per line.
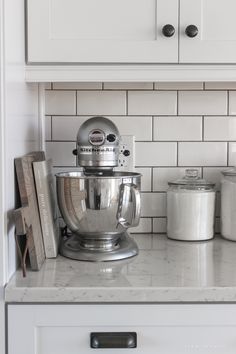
<point>176,126</point>
<point>21,109</point>
<point>18,131</point>
<point>2,243</point>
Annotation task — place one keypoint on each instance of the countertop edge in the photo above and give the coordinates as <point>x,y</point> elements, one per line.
<point>119,295</point>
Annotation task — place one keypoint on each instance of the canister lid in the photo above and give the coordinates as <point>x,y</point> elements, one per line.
<point>229,172</point>
<point>191,180</point>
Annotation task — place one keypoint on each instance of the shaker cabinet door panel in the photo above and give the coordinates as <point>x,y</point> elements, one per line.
<point>101,31</point>
<point>215,41</point>
<point>164,329</point>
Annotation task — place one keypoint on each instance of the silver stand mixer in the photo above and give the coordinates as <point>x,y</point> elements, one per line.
<point>99,204</point>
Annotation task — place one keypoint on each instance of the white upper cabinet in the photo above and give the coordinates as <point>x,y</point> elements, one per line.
<point>102,31</point>
<point>102,38</point>
<point>214,30</point>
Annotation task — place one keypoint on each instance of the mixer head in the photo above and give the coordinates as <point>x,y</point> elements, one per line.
<point>97,146</point>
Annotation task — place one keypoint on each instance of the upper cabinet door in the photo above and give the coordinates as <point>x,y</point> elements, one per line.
<point>213,37</point>
<point>101,31</point>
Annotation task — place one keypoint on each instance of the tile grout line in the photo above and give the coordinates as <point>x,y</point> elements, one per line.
<point>127,103</point>
<point>227,157</point>
<point>152,127</point>
<point>177,102</point>
<point>177,157</point>
<point>152,180</point>
<point>51,129</point>
<point>203,128</point>
<point>227,103</point>
<point>76,103</point>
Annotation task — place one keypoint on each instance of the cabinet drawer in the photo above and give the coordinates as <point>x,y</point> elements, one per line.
<point>165,329</point>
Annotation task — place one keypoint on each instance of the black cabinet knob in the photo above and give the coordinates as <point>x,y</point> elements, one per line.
<point>191,31</point>
<point>168,30</point>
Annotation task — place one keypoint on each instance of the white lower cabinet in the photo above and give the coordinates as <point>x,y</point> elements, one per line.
<point>164,328</point>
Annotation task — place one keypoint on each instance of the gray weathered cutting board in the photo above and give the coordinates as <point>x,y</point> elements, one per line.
<point>27,217</point>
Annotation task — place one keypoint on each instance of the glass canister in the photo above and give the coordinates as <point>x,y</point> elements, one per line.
<point>228,204</point>
<point>191,208</point>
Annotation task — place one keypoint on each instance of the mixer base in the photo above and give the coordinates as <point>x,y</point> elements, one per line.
<point>73,248</point>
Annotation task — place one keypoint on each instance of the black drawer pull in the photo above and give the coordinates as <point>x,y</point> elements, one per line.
<point>113,340</point>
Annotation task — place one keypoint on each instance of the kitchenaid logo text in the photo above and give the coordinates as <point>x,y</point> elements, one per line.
<point>103,149</point>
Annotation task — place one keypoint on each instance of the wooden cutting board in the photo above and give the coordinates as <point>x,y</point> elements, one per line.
<point>27,217</point>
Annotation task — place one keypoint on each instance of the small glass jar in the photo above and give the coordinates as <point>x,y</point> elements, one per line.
<point>191,208</point>
<point>228,204</point>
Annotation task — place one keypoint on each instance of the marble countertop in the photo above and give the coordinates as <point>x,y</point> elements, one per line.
<point>164,271</point>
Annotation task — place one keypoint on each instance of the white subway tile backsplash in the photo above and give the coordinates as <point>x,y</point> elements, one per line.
<point>66,127</point>
<point>232,154</point>
<point>156,154</point>
<point>220,85</point>
<point>213,174</point>
<point>152,103</point>
<point>153,204</point>
<point>202,102</point>
<point>162,175</point>
<point>178,85</point>
<point>77,85</point>
<point>145,225</point>
<point>202,154</point>
<point>60,102</point>
<point>48,130</point>
<point>139,126</point>
<point>128,85</point>
<point>168,133</point>
<point>101,102</point>
<point>220,128</point>
<point>146,185</point>
<point>61,153</point>
<point>232,102</point>
<point>159,225</point>
<point>177,128</point>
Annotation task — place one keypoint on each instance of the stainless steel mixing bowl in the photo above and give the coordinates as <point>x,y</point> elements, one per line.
<point>99,206</point>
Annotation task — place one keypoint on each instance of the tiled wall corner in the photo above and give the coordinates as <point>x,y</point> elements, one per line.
<point>176,126</point>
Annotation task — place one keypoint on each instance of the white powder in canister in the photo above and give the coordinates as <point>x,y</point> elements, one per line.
<point>228,209</point>
<point>190,214</point>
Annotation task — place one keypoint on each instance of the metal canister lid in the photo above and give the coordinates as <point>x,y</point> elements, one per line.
<point>192,181</point>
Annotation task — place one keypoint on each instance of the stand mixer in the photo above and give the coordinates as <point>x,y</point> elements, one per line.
<point>99,204</point>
